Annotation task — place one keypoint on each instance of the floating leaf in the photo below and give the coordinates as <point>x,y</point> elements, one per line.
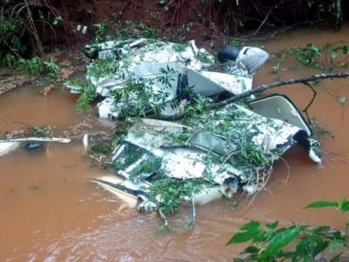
<point>321,204</point>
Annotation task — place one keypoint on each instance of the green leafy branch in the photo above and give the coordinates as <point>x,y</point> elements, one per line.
<point>172,192</point>
<point>88,94</point>
<point>328,59</point>
<point>294,243</point>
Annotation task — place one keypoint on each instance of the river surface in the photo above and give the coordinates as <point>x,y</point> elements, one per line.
<point>51,212</point>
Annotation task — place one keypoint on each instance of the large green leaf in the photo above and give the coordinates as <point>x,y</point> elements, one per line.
<point>242,237</point>
<point>305,249</point>
<point>319,247</point>
<point>321,204</point>
<point>252,225</point>
<point>281,240</point>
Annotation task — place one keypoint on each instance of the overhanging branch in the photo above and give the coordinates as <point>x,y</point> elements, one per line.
<point>291,81</point>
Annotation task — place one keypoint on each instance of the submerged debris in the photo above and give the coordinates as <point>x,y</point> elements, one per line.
<point>206,154</point>
<point>30,143</point>
<point>33,145</point>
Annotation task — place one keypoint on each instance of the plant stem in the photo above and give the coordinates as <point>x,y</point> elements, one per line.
<point>346,237</point>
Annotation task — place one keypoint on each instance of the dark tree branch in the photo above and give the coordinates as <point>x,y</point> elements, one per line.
<point>262,88</point>
<point>305,110</point>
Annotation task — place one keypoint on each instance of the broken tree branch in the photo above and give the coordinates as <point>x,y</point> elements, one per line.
<point>305,110</point>
<point>262,88</point>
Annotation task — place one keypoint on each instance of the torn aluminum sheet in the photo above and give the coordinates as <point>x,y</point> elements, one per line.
<point>212,156</point>
<point>147,63</point>
<point>9,145</point>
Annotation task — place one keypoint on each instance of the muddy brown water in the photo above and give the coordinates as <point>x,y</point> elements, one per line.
<point>51,212</point>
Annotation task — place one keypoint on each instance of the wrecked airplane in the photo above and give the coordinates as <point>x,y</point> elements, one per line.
<point>199,157</point>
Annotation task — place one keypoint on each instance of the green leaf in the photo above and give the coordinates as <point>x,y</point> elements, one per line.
<point>250,250</point>
<point>344,205</point>
<point>321,204</point>
<point>242,237</point>
<point>281,240</point>
<point>314,49</point>
<point>334,54</point>
<point>57,19</point>
<point>251,225</point>
<point>273,225</point>
<point>320,229</point>
<point>247,232</point>
<point>319,247</point>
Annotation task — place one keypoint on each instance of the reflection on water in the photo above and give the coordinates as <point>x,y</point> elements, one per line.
<point>50,212</point>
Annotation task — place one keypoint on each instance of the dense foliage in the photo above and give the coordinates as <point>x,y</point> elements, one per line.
<point>28,27</point>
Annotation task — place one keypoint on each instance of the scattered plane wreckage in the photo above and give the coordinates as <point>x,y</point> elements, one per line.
<point>200,155</point>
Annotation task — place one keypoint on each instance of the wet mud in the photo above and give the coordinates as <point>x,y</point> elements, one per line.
<point>51,212</point>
